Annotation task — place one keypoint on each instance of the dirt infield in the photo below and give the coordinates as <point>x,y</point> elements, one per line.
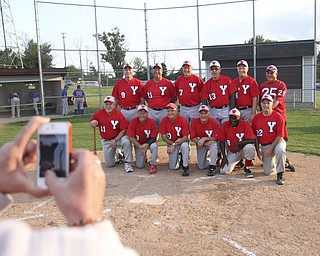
<point>200,215</point>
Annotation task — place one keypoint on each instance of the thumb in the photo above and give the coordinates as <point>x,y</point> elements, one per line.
<point>51,180</point>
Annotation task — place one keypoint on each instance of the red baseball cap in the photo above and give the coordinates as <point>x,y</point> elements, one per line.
<point>272,68</point>
<point>267,97</point>
<point>242,62</point>
<point>203,107</point>
<point>186,62</point>
<point>234,112</point>
<point>172,105</point>
<point>157,65</point>
<point>127,66</point>
<point>143,107</point>
<point>214,63</point>
<point>109,99</point>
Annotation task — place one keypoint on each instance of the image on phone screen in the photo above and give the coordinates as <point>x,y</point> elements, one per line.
<point>53,154</point>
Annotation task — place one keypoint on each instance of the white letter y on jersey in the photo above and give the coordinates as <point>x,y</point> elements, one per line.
<point>192,85</point>
<point>178,129</point>
<point>223,88</point>
<point>114,124</point>
<point>134,88</point>
<point>162,89</point>
<point>271,125</point>
<point>208,132</point>
<point>240,136</point>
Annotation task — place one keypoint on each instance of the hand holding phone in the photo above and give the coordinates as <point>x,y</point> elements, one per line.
<point>53,151</point>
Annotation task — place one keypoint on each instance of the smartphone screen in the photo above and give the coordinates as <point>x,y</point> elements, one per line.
<point>53,148</point>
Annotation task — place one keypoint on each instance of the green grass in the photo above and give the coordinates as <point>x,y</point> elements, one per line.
<point>303,126</point>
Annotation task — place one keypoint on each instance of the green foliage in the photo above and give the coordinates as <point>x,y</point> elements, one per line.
<point>116,51</point>
<point>73,73</point>
<point>30,55</point>
<point>9,59</point>
<point>259,39</point>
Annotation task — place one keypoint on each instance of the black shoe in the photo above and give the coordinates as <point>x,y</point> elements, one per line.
<point>247,172</point>
<point>186,171</point>
<point>289,166</point>
<point>280,180</point>
<point>240,164</point>
<point>119,157</point>
<point>212,170</point>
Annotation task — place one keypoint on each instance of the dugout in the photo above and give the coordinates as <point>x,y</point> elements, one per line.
<point>294,60</point>
<point>24,81</point>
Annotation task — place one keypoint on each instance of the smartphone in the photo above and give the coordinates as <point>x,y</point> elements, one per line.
<point>53,150</point>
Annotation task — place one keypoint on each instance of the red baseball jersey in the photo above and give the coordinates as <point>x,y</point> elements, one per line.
<point>267,128</point>
<point>247,89</point>
<point>277,90</point>
<point>110,125</point>
<point>128,93</point>
<point>229,134</point>
<point>174,130</point>
<point>217,92</point>
<point>142,132</point>
<point>159,94</point>
<point>188,90</point>
<point>199,130</point>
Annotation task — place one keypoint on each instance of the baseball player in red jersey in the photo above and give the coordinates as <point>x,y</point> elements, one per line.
<point>219,92</point>
<point>127,92</point>
<point>240,140</point>
<point>188,88</point>
<point>269,128</point>
<point>202,130</point>
<point>174,131</point>
<point>247,95</point>
<point>158,92</point>
<point>277,89</point>
<point>112,127</point>
<point>142,132</point>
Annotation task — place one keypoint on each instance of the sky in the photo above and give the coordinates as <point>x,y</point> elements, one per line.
<point>168,29</point>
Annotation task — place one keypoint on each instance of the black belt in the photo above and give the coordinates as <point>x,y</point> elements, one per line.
<point>129,108</point>
<point>220,107</point>
<point>110,139</point>
<point>157,109</point>
<point>266,144</point>
<point>241,108</point>
<point>188,106</point>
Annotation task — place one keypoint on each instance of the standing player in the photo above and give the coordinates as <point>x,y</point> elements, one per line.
<point>202,131</point>
<point>64,99</point>
<point>127,92</point>
<point>174,131</point>
<point>142,133</point>
<point>277,89</point>
<point>269,128</point>
<point>112,127</point>
<point>158,92</point>
<point>188,88</point>
<point>247,95</point>
<point>79,97</point>
<point>240,140</point>
<point>219,92</point>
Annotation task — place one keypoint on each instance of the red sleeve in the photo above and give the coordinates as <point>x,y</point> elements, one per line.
<point>162,126</point>
<point>131,128</point>
<point>193,129</point>
<point>185,127</point>
<point>123,122</point>
<point>154,132</point>
<point>115,91</point>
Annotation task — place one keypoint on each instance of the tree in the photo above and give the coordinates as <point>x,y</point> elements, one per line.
<point>30,55</point>
<point>259,39</point>
<point>9,59</point>
<point>73,73</point>
<point>116,51</point>
<point>138,63</point>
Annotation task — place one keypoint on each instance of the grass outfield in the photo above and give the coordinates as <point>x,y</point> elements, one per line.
<point>303,126</point>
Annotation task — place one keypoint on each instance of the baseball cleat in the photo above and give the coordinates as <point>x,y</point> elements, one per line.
<point>247,172</point>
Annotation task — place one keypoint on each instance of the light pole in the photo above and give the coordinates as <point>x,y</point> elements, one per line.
<point>64,49</point>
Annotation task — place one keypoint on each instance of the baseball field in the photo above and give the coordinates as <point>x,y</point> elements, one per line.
<point>167,214</point>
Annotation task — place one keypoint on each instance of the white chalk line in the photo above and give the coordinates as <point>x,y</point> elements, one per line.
<point>238,246</point>
<point>37,206</point>
<point>30,217</point>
